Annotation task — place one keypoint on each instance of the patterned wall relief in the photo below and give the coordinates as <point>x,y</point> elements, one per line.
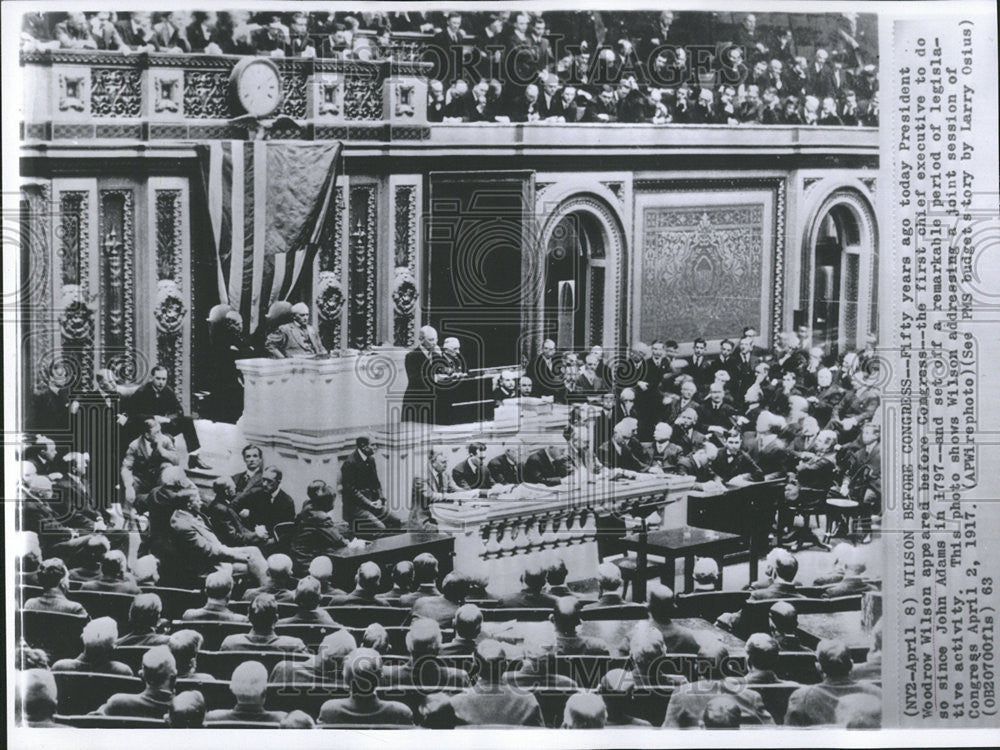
<point>404,286</point>
<point>361,283</point>
<point>329,290</point>
<point>117,243</point>
<point>701,270</point>
<point>76,309</point>
<point>169,311</point>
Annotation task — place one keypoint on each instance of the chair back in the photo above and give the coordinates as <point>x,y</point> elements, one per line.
<point>522,614</point>
<point>285,609</point>
<point>617,612</point>
<point>798,666</point>
<point>283,533</point>
<point>242,725</point>
<point>130,656</point>
<point>220,664</point>
<point>309,698</point>
<point>176,601</point>
<point>87,721</point>
<point>754,617</point>
<point>212,632</point>
<point>29,592</point>
<point>553,703</point>
<point>361,616</point>
<point>105,604</point>
<point>55,632</point>
<point>708,605</point>
<point>83,692</point>
<point>215,692</point>
<point>587,670</point>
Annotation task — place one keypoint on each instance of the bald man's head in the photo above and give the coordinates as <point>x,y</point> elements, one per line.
<point>468,621</point>
<point>784,618</point>
<point>786,567</point>
<point>722,712</point>
<point>566,615</point>
<point>402,575</point>
<point>187,710</point>
<point>369,577</point>
<point>249,683</point>
<point>713,658</point>
<point>533,577</point>
<point>585,711</point>
<point>490,661</point>
<point>834,658</point>
<point>279,568</point>
<point>762,651</point>
<point>661,603</point>
<point>334,649</point>
<point>159,667</point>
<point>423,638</point>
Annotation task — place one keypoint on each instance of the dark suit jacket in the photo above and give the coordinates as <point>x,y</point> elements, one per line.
<point>361,487</point>
<point>437,608</point>
<point>539,468</point>
<point>468,477</point>
<point>527,598</point>
<point>686,465</point>
<point>726,467</point>
<point>631,457</point>
<point>129,37</point>
<point>814,705</point>
<point>419,380</point>
<point>711,415</point>
<point>772,458</point>
<point>228,526</point>
<point>146,402</point>
<point>502,471</point>
<point>194,547</point>
<point>315,534</point>
<point>50,412</point>
<point>703,372</point>
<point>546,380</point>
<point>152,704</point>
<point>265,510</point>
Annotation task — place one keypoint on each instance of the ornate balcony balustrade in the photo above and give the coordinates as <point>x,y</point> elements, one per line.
<point>91,94</point>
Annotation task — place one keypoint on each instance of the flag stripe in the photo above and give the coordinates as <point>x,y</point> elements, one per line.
<point>249,212</point>
<point>260,230</point>
<point>236,224</point>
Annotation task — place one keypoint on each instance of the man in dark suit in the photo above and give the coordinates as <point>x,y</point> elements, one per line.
<point>263,615</point>
<point>664,453</point>
<point>533,580</point>
<point>820,76</point>
<point>566,619</point>
<point>768,450</point>
<point>136,33</point>
<point>253,459</point>
<point>218,589</point>
<point>442,608</point>
<point>735,462</point>
<point>609,587</point>
<point>661,607</point>
<point>201,29</point>
<point>684,433</point>
<point>814,705</point>
<point>54,580</point>
<point>546,465</point>
<point>50,409</point>
<point>468,623</point>
<point>114,576</point>
<point>72,499</point>
<point>423,641</point>
<point>545,371</point>
<point>549,102</point>
<point>783,586</point>
<point>505,468</point>
<point>699,463</point>
<point>315,532</point>
<point>159,670</point>
<point>447,49</point>
<point>168,37</point>
<point>420,365</point>
<point>715,415</point>
<point>472,474</point>
<point>367,581</point>
<point>156,399</point>
<point>622,451</point>
<point>688,399</point>
<point>701,367</point>
<point>268,504</point>
<point>226,522</point>
<point>425,573</point>
<point>365,506</point>
<point>743,370</point>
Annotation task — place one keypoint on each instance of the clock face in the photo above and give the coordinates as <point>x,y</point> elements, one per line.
<point>258,88</point>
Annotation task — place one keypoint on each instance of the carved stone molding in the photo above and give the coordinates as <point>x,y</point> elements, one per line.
<point>167,93</point>
<point>76,316</point>
<point>404,289</point>
<point>73,93</point>
<point>404,99</point>
<point>118,273</point>
<point>329,297</point>
<point>362,247</point>
<point>170,310</point>
<point>617,189</point>
<point>115,92</point>
<point>206,94</point>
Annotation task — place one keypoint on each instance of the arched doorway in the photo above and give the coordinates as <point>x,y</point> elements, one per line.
<point>575,260</point>
<point>841,277</point>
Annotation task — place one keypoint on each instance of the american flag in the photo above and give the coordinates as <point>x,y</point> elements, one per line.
<point>269,203</point>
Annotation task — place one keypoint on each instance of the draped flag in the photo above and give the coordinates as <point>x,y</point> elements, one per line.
<point>269,203</point>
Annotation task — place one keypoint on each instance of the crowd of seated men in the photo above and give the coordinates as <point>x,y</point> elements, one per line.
<point>558,66</point>
<point>465,671</point>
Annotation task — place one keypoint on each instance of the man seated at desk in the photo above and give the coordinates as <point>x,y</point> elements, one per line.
<point>297,338</point>
<point>546,466</point>
<point>472,474</point>
<point>436,486</point>
<point>506,468</point>
<point>623,451</point>
<point>734,463</point>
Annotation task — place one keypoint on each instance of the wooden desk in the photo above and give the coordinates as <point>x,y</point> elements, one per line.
<point>841,626</point>
<point>389,550</point>
<point>684,542</point>
<point>748,511</point>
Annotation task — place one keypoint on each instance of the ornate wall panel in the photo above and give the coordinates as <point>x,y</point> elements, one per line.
<point>34,297</point>
<point>76,310</point>
<point>329,294</point>
<point>115,92</point>
<point>701,271</point>
<point>117,243</point>
<point>293,79</point>
<point>362,279</point>
<point>363,96</point>
<point>169,311</point>
<point>206,94</point>
<point>404,285</point>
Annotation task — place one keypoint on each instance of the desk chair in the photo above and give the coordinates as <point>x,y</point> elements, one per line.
<point>82,692</point>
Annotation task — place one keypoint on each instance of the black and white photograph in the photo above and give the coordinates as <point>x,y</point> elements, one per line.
<point>511,366</point>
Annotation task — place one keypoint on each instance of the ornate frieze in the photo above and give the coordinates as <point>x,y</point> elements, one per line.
<point>206,94</point>
<point>115,92</point>
<point>362,247</point>
<point>170,310</point>
<point>117,271</point>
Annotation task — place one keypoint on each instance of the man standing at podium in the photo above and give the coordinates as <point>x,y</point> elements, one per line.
<point>421,364</point>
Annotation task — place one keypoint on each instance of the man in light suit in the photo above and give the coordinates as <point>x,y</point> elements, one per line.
<point>295,339</point>
<point>434,487</point>
<point>197,549</point>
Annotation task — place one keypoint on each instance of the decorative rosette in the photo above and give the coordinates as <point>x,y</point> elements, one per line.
<point>76,318</point>
<point>404,291</point>
<point>329,296</point>
<point>169,311</point>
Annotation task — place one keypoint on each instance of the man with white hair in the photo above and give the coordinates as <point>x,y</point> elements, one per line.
<point>684,433</point>
<point>98,638</point>
<point>435,486</point>
<point>828,396</point>
<point>609,587</point>
<point>159,671</point>
<point>853,581</point>
<point>699,463</point>
<point>36,699</point>
<point>420,365</point>
<point>249,686</point>
<point>665,453</point>
<point>769,451</point>
<point>622,451</point>
<point>546,465</point>
<point>297,338</point>
<point>452,352</point>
